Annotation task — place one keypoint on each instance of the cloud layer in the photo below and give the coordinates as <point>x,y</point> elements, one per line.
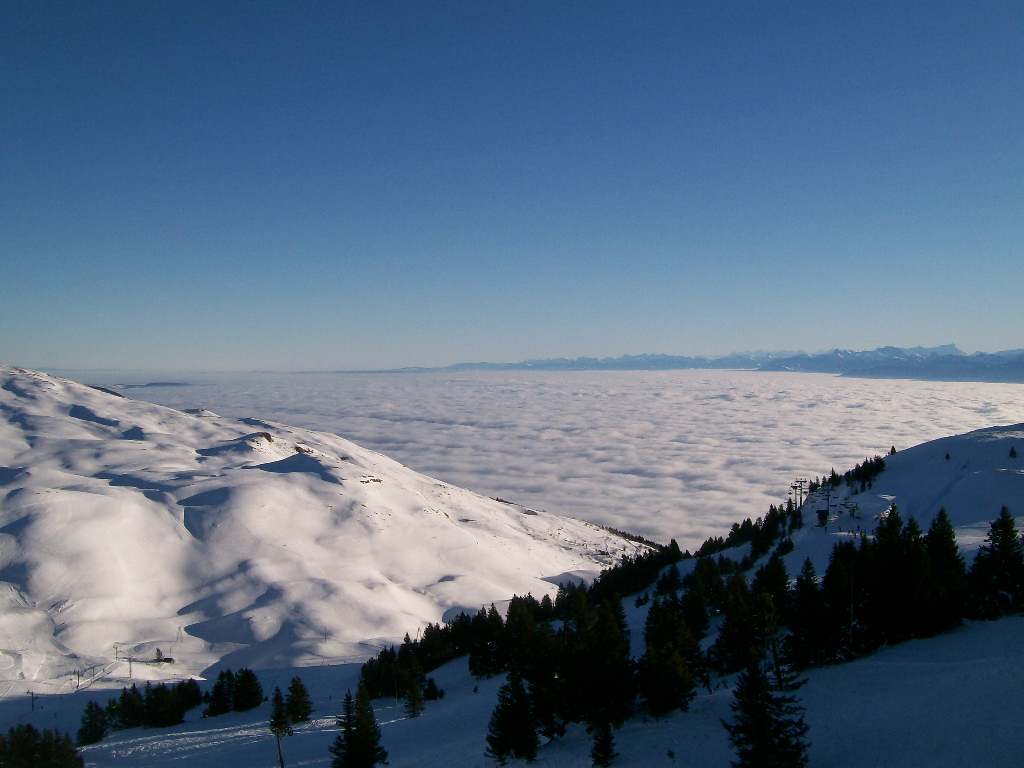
<point>675,454</point>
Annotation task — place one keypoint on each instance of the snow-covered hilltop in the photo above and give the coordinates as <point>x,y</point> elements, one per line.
<point>972,475</point>
<point>127,527</point>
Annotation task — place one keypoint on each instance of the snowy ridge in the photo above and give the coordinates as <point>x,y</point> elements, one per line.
<point>973,484</point>
<point>126,526</point>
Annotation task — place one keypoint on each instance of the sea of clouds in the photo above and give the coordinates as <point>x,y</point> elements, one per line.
<point>666,454</point>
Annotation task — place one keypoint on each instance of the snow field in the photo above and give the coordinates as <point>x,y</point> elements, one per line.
<point>127,527</point>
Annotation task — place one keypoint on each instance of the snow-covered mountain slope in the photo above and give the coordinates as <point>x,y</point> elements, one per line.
<point>973,484</point>
<point>127,527</point>
<point>945,702</point>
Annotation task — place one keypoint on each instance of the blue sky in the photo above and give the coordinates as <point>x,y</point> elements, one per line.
<point>241,186</point>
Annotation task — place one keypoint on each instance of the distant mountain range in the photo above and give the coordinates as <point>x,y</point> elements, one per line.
<point>942,363</point>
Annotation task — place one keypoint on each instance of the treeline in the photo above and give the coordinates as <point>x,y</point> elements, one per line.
<point>761,534</point>
<point>155,706</point>
<point>899,584</point>
<point>25,747</point>
<point>161,705</point>
<point>233,692</point>
<point>569,660</point>
<point>862,475</point>
<point>581,671</point>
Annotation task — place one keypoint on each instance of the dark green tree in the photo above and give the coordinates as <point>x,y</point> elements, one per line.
<point>669,582</point>
<point>129,711</point>
<point>806,644</point>
<point>997,577</point>
<point>665,680</point>
<point>603,751</point>
<point>487,630</point>
<point>280,723</point>
<point>25,747</point>
<point>664,676</point>
<point>189,694</point>
<point>513,727</point>
<point>297,702</point>
<point>768,729</point>
<point>611,684</point>
<point>736,645</point>
<point>545,685</point>
<point>574,668</point>
<point>949,573</point>
<point>414,700</point>
<point>430,690</point>
<point>94,724</point>
<point>842,589</point>
<point>773,579</point>
<point>695,608</point>
<point>248,691</point>
<point>347,722</point>
<point>365,749</point>
<point>163,707</point>
<point>222,696</point>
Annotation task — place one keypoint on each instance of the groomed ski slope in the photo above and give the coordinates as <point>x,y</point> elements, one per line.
<point>126,527</point>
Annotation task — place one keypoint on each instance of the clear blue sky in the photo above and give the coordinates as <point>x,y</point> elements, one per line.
<point>327,186</point>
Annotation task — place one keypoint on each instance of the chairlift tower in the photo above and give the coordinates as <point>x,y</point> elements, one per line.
<point>800,485</point>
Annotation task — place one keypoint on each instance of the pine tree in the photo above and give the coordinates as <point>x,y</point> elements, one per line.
<point>488,627</point>
<point>611,678</point>
<point>280,723</point>
<point>365,749</point>
<point>513,727</point>
<point>574,671</point>
<point>515,648</point>
<point>768,728</point>
<point>222,696</point>
<point>414,700</point>
<point>805,645</point>
<point>545,685</point>
<point>347,722</point>
<point>163,707</point>
<point>695,608</point>
<point>949,574</point>
<point>669,582</point>
<point>603,751</point>
<point>665,676</point>
<point>842,588</point>
<point>736,644</point>
<point>773,579</point>
<point>130,710</point>
<point>25,747</point>
<point>248,691</point>
<point>997,577</point>
<point>297,702</point>
<point>94,724</point>
<point>665,680</point>
<point>187,695</point>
